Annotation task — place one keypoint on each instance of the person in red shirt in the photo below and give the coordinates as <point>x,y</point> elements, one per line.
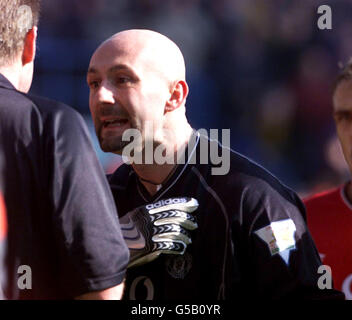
<point>329,214</point>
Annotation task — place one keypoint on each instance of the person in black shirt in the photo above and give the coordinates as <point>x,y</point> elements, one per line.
<point>249,239</point>
<point>64,240</point>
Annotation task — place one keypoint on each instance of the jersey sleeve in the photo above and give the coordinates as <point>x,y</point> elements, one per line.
<point>283,259</point>
<point>93,254</point>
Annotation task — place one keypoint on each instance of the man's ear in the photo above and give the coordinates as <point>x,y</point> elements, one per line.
<point>178,96</point>
<point>30,41</point>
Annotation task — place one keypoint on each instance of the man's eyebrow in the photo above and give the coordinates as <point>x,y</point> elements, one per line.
<point>342,111</point>
<point>120,67</point>
<point>124,67</point>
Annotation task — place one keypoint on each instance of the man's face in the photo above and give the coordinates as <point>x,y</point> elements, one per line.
<point>342,101</point>
<point>126,91</point>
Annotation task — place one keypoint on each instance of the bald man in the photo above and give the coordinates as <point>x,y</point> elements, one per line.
<point>194,232</point>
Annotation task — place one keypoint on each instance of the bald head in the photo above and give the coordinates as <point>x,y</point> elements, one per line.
<point>136,78</point>
<point>155,51</point>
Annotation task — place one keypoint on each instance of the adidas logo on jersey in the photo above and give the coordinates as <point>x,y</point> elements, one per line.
<point>165,202</point>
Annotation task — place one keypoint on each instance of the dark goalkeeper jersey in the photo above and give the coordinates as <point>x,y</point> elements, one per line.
<point>252,240</point>
<point>63,237</point>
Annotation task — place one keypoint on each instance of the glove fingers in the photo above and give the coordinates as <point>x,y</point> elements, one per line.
<point>173,237</point>
<point>170,246</point>
<point>174,216</point>
<point>185,223</point>
<point>167,246</point>
<point>171,231</point>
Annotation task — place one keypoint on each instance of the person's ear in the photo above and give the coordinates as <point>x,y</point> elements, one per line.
<point>178,96</point>
<point>30,41</point>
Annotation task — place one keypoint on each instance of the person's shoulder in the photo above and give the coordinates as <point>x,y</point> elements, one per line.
<point>239,168</point>
<point>49,107</point>
<point>243,175</point>
<point>241,164</point>
<point>19,115</point>
<point>324,197</point>
<point>59,119</point>
<point>15,103</point>
<point>22,100</point>
<point>250,174</point>
<point>260,181</point>
<point>326,204</point>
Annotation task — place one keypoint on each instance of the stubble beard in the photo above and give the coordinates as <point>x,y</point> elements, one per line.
<point>113,143</point>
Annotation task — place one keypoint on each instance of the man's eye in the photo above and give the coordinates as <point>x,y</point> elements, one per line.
<point>93,84</point>
<point>343,117</point>
<point>123,79</point>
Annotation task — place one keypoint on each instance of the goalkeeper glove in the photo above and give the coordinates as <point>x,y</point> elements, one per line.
<point>159,227</point>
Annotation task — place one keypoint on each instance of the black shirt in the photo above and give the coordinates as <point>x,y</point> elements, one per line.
<point>61,215</point>
<point>233,254</point>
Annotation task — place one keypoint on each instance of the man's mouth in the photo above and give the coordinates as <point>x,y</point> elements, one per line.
<point>114,123</point>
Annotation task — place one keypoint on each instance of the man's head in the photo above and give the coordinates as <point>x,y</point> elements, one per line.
<point>342,103</point>
<point>136,79</point>
<point>18,21</point>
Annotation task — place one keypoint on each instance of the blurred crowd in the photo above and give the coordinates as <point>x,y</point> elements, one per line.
<point>262,68</point>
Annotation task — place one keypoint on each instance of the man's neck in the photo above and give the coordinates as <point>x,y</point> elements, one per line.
<point>154,176</point>
<point>12,74</point>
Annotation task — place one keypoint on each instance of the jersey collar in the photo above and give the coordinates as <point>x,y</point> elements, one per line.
<point>190,152</point>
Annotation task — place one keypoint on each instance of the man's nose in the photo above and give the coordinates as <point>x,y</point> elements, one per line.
<point>106,94</point>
